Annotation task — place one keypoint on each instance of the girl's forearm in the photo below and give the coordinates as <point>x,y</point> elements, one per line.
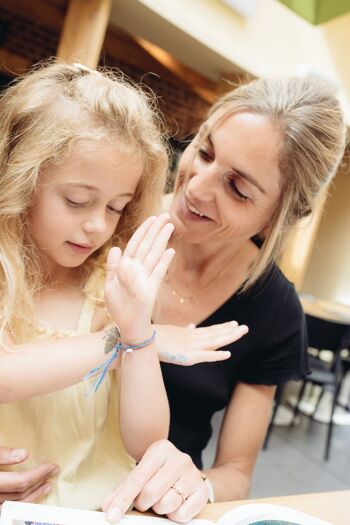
<point>144,409</point>
<point>46,366</point>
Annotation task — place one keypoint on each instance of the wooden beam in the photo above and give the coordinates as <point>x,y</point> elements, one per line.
<point>84,31</point>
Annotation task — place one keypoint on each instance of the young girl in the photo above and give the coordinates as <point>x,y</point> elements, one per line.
<point>82,164</point>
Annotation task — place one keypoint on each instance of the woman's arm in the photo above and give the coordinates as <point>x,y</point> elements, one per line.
<point>241,437</point>
<point>163,467</point>
<point>151,485</point>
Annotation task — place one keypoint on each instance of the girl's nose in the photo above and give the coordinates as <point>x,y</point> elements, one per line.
<point>95,223</point>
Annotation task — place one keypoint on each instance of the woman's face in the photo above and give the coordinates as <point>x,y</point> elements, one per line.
<point>231,189</point>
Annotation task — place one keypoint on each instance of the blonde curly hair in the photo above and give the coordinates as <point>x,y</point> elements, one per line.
<point>42,115</point>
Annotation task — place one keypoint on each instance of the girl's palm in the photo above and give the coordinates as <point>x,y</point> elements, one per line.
<point>133,279</point>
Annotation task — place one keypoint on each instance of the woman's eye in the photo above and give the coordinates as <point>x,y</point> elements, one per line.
<point>75,204</point>
<point>234,189</point>
<point>205,155</point>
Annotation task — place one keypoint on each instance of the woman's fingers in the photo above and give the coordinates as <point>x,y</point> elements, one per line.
<point>186,485</point>
<point>34,493</point>
<point>11,456</point>
<point>38,494</point>
<point>120,500</point>
<point>161,467</point>
<point>192,506</point>
<point>20,485</point>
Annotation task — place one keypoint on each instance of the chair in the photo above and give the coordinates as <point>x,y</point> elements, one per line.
<point>322,335</point>
<point>277,402</point>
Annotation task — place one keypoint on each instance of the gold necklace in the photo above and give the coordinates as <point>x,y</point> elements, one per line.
<point>183,298</point>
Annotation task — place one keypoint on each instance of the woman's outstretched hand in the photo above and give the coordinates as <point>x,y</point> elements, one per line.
<point>166,481</point>
<point>188,345</point>
<point>134,277</point>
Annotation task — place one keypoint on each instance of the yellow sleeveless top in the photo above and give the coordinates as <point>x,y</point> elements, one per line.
<point>79,433</point>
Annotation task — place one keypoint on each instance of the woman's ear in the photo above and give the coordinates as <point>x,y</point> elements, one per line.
<point>266,231</point>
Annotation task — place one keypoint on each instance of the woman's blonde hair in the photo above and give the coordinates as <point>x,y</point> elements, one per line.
<point>313,138</point>
<point>42,115</point>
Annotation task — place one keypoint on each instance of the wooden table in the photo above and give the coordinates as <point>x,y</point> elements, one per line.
<point>330,506</point>
<point>327,310</point>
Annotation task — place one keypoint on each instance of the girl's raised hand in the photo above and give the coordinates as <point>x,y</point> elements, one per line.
<point>133,278</point>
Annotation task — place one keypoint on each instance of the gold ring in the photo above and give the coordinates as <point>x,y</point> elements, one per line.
<point>179,492</point>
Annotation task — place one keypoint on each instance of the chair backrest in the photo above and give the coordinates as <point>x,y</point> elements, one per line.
<point>327,335</point>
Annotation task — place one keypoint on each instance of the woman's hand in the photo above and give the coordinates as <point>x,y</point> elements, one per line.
<point>27,485</point>
<point>133,279</point>
<point>190,345</point>
<point>166,481</point>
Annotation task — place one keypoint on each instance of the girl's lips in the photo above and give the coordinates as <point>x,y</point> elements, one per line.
<point>79,248</point>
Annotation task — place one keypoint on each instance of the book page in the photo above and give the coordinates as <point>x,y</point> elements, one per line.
<point>17,513</point>
<point>267,514</point>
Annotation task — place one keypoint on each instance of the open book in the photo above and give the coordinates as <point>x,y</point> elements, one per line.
<point>14,513</point>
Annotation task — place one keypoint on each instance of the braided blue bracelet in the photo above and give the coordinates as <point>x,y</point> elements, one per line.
<point>127,349</point>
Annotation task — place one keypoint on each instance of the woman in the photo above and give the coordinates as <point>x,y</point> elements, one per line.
<point>256,166</point>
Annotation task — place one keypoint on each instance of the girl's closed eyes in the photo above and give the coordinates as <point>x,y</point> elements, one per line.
<point>76,204</point>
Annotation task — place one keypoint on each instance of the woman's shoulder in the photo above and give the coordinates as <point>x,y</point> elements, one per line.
<point>272,297</point>
<point>273,284</point>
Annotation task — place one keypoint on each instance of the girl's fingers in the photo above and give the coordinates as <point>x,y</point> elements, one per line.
<point>211,356</point>
<point>113,260</point>
<point>216,328</point>
<point>137,237</point>
<point>160,270</point>
<point>223,339</point>
<point>159,245</point>
<point>146,244</point>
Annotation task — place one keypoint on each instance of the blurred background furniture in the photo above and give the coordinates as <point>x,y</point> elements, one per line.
<point>328,326</point>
